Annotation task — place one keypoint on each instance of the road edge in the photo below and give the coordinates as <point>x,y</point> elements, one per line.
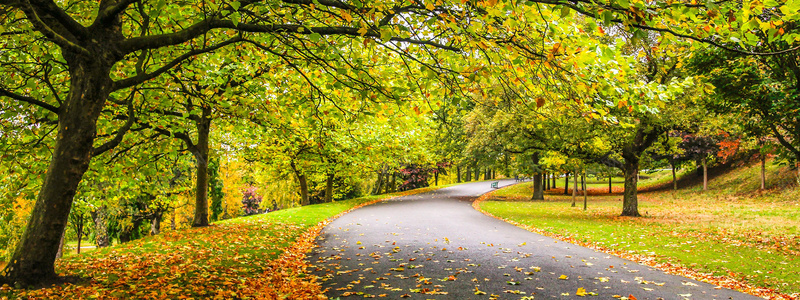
<point>669,268</point>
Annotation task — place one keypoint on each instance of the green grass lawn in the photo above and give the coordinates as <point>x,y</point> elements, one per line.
<point>236,258</point>
<point>754,238</point>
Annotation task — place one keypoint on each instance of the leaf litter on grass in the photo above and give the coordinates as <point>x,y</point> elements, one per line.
<point>728,280</point>
<point>249,258</point>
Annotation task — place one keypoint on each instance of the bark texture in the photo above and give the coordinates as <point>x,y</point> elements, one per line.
<point>538,189</point>
<point>34,257</point>
<point>630,200</point>
<point>329,188</point>
<point>200,151</point>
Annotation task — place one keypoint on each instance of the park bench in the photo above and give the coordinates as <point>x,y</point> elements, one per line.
<point>494,184</point>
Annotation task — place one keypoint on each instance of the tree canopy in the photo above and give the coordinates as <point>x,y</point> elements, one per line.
<point>118,106</point>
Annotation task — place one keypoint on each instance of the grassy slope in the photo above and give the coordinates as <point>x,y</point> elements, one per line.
<point>242,257</point>
<point>730,230</point>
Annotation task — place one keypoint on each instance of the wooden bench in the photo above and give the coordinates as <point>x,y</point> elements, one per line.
<point>494,184</point>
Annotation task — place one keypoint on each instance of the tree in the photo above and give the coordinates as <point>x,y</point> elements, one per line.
<point>100,59</point>
<point>102,51</point>
<point>763,89</point>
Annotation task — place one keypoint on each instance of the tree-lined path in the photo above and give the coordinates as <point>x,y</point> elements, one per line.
<point>436,246</point>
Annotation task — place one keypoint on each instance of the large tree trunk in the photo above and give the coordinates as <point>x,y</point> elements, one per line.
<point>35,253</point>
<point>468,175</point>
<point>477,173</point>
<point>436,178</point>
<point>630,202</point>
<point>301,179</point>
<point>329,188</point>
<point>609,184</point>
<point>304,200</point>
<point>566,183</point>
<point>538,189</point>
<point>201,158</point>
<point>458,174</point>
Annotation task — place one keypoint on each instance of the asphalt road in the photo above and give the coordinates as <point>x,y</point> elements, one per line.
<point>436,246</point>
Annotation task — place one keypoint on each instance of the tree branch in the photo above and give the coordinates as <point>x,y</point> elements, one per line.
<point>138,79</point>
<point>29,100</point>
<point>672,32</point>
<point>157,41</point>
<point>120,133</point>
<point>107,14</point>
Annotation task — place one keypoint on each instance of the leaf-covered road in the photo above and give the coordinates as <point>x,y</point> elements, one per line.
<point>436,246</point>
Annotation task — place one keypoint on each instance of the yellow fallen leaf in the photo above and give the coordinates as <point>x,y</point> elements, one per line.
<point>563,277</point>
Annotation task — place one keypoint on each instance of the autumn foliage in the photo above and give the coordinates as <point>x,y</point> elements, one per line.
<point>259,257</point>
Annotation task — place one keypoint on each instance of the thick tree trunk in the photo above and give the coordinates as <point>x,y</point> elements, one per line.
<point>34,256</point>
<point>329,188</point>
<point>301,180</point>
<point>304,200</point>
<point>630,202</point>
<point>705,174</point>
<point>477,174</point>
<point>458,174</point>
<point>201,161</point>
<point>436,179</point>
<point>763,172</point>
<point>468,175</point>
<point>538,189</point>
<point>566,183</point>
<point>609,183</point>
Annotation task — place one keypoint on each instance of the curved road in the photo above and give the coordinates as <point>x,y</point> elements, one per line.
<point>436,246</point>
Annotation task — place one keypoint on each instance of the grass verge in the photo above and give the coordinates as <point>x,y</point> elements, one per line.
<point>745,243</point>
<point>256,257</point>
